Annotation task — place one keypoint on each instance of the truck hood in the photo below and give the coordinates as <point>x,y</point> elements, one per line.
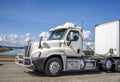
<point>45,45</point>
<point>51,43</point>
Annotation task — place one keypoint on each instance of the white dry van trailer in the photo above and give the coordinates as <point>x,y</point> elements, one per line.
<point>107,36</point>
<point>107,45</point>
<point>63,50</point>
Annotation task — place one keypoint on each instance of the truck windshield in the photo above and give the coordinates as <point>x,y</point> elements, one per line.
<point>57,34</point>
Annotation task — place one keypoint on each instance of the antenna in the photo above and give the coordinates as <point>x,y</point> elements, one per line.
<point>82,24</point>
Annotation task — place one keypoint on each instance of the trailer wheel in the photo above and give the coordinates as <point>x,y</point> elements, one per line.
<point>117,66</point>
<point>108,64</point>
<point>53,67</point>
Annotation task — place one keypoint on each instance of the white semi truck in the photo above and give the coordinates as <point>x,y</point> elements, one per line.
<point>63,50</point>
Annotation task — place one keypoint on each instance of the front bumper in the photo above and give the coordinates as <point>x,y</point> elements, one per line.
<point>39,63</point>
<point>33,63</point>
<point>23,61</point>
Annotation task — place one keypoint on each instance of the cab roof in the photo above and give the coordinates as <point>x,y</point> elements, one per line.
<point>65,26</point>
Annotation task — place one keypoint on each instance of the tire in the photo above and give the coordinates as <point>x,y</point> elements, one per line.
<point>53,67</point>
<point>108,64</point>
<point>83,64</point>
<point>117,66</point>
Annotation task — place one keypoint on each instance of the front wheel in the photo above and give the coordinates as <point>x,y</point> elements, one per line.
<point>53,67</point>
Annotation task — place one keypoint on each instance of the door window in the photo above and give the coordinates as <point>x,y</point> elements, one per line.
<point>75,35</point>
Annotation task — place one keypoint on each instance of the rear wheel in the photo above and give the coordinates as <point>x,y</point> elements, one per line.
<point>53,67</point>
<point>117,66</point>
<point>108,64</point>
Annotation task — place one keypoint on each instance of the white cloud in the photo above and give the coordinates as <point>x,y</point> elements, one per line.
<point>28,37</point>
<point>86,34</point>
<point>11,35</point>
<point>5,38</point>
<point>28,34</point>
<point>45,35</point>
<point>1,38</point>
<point>88,43</point>
<point>87,40</point>
<point>13,38</point>
<point>22,36</point>
<point>33,39</point>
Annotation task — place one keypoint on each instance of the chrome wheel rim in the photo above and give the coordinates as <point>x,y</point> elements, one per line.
<point>54,67</point>
<point>118,66</point>
<point>82,63</point>
<point>108,64</point>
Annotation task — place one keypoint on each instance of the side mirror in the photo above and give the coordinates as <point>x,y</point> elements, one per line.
<point>71,36</point>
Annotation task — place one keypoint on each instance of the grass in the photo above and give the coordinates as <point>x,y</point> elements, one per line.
<point>3,49</point>
<point>88,52</point>
<point>7,58</point>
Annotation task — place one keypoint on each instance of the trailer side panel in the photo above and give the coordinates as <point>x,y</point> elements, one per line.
<point>107,37</point>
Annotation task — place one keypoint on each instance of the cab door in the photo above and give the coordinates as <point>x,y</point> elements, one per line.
<point>73,46</point>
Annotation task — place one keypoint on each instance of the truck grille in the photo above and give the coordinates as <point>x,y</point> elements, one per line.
<point>27,50</point>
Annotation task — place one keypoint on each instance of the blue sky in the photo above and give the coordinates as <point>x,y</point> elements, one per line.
<point>35,16</point>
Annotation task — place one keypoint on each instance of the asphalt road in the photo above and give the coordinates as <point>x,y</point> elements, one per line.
<point>10,72</point>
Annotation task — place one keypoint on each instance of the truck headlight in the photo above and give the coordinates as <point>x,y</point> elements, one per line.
<point>37,54</point>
